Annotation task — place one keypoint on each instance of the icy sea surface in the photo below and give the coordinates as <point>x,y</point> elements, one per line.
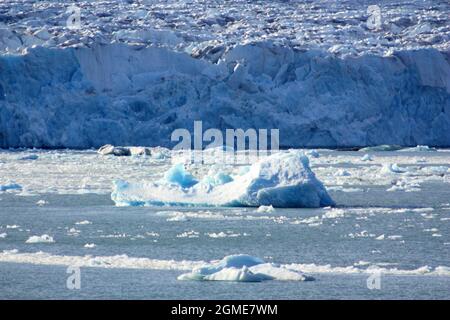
<point>392,218</point>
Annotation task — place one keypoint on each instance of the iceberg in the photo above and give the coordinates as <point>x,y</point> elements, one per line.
<point>243,268</point>
<point>282,180</point>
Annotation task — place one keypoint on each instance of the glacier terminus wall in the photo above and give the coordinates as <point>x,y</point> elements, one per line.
<point>133,95</point>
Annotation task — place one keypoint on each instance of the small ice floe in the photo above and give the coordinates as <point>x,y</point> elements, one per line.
<point>282,180</point>
<point>123,151</point>
<point>265,209</point>
<point>395,237</point>
<point>152,234</point>
<point>228,234</point>
<point>12,251</point>
<point>343,189</point>
<point>13,226</point>
<point>362,234</point>
<point>406,186</point>
<point>367,157</point>
<point>383,147</point>
<point>45,238</point>
<point>89,245</point>
<point>380,237</point>
<point>178,217</point>
<point>73,232</point>
<point>188,234</point>
<point>243,268</point>
<point>83,222</point>
<point>342,173</point>
<point>41,203</point>
<point>3,235</point>
<point>419,149</point>
<point>393,168</point>
<point>436,235</point>
<point>10,186</point>
<point>29,157</point>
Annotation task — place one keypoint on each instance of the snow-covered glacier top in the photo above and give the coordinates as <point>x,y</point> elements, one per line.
<point>208,28</point>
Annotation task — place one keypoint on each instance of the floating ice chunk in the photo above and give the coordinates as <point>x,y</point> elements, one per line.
<point>383,147</point>
<point>228,234</point>
<point>380,237</point>
<point>367,157</point>
<point>10,186</point>
<point>406,186</point>
<point>3,235</point>
<point>393,168</point>
<point>109,149</point>
<point>342,173</point>
<point>89,245</point>
<point>178,216</point>
<point>13,226</point>
<point>45,238</point>
<point>83,222</point>
<point>12,251</point>
<point>41,203</point>
<point>29,157</point>
<point>419,149</point>
<point>243,268</point>
<point>265,209</point>
<point>188,234</point>
<point>281,180</point>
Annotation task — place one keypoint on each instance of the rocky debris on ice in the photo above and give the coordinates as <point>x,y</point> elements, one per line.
<point>280,180</point>
<point>243,268</point>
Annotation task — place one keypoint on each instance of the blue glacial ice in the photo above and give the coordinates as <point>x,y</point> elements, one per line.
<point>132,95</point>
<point>243,268</point>
<point>282,180</point>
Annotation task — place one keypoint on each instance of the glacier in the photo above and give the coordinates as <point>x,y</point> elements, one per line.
<point>129,95</point>
<point>137,70</point>
<point>282,180</point>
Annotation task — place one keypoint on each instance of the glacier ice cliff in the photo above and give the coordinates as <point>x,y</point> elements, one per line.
<point>126,94</point>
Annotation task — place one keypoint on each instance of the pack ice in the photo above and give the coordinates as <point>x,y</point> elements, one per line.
<point>282,180</point>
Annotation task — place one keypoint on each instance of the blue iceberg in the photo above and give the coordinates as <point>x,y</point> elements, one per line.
<point>283,180</point>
